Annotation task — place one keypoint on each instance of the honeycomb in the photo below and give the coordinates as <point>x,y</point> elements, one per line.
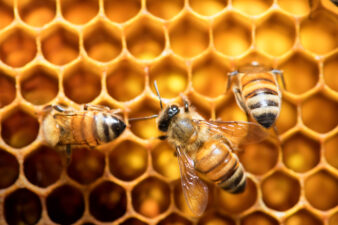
<point>109,52</point>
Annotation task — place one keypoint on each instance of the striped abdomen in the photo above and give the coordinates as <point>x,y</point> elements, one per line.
<point>262,97</point>
<point>220,165</point>
<point>95,128</point>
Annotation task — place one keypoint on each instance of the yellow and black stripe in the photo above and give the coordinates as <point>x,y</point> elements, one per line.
<point>261,96</point>
<point>220,165</point>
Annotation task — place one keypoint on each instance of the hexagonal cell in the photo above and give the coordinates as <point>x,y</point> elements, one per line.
<point>171,77</point>
<point>255,7</point>
<point>107,201</point>
<point>59,45</point>
<point>201,107</point>
<point>229,111</point>
<point>325,27</point>
<point>121,11</point>
<point>87,165</point>
<point>145,128</point>
<point>43,166</point>
<point>165,9</point>
<point>232,34</point>
<point>321,122</point>
<point>37,12</point>
<point>150,197</point>
<point>330,70</point>
<point>259,218</point>
<point>79,11</point>
<point>287,117</point>
<point>22,207</point>
<point>19,129</point>
<point>9,169</point>
<point>187,32</point>
<point>280,191</point>
<point>39,85</point>
<point>297,8</point>
<point>6,13</point>
<point>128,160</point>
<point>215,218</point>
<point>102,42</point>
<point>125,81</point>
<point>174,218</point>
<point>17,48</point>
<point>145,39</point>
<point>321,190</point>
<point>237,203</point>
<point>330,151</point>
<point>276,34</point>
<point>65,204</point>
<point>201,72</point>
<point>333,219</point>
<point>133,221</point>
<point>301,73</point>
<point>300,153</point>
<point>303,217</point>
<point>259,158</point>
<point>7,89</point>
<point>82,83</point>
<point>207,8</point>
<point>165,162</point>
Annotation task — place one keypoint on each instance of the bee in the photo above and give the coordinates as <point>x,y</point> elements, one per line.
<point>91,126</point>
<point>205,147</point>
<point>257,92</point>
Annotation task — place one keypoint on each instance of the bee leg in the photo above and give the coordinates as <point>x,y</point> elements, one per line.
<point>185,102</point>
<point>230,75</point>
<point>58,108</point>
<point>163,137</point>
<point>276,132</point>
<point>240,102</point>
<point>89,107</point>
<point>280,73</point>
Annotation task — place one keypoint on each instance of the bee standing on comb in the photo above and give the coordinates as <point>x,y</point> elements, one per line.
<point>91,126</point>
<point>206,147</point>
<point>257,92</point>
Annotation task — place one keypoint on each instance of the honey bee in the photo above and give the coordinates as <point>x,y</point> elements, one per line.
<point>92,126</point>
<point>206,147</point>
<point>257,92</point>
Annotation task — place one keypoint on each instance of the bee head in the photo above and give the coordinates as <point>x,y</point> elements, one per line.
<point>168,114</point>
<point>118,127</point>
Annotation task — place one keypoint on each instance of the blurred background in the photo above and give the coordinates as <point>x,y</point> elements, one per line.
<point>109,52</point>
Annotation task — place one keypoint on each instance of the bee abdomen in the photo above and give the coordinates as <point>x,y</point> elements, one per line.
<point>216,161</point>
<point>107,127</point>
<point>264,109</point>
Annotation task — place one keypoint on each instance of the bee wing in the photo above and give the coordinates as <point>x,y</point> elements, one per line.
<point>236,132</point>
<point>194,189</point>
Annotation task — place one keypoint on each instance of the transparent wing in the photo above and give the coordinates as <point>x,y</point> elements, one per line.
<point>236,132</point>
<point>194,189</point>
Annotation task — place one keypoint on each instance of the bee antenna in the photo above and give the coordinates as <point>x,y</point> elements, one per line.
<point>143,118</point>
<point>158,94</point>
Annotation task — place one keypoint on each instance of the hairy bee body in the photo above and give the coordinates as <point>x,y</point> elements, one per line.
<point>211,152</point>
<point>216,160</point>
<point>86,127</point>
<point>257,93</point>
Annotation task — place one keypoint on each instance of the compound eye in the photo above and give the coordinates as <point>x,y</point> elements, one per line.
<point>173,110</point>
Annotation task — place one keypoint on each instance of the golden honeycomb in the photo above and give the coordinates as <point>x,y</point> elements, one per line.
<point>109,52</point>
